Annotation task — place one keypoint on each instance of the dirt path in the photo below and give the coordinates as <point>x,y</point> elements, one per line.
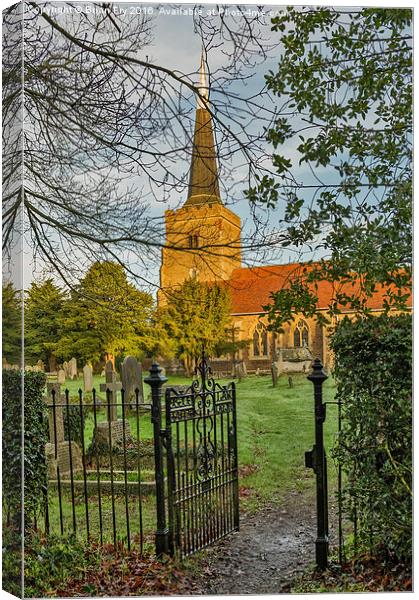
<point>271,547</point>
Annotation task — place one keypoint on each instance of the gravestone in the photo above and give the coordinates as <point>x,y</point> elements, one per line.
<point>59,415</point>
<point>40,364</point>
<point>57,441</point>
<point>61,376</point>
<point>66,370</point>
<point>5,364</point>
<point>111,387</point>
<point>113,427</point>
<point>132,379</point>
<point>87,378</point>
<point>241,371</point>
<point>72,369</point>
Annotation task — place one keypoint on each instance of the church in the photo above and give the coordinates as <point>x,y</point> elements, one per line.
<point>203,241</point>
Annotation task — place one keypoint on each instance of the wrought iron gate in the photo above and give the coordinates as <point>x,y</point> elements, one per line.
<point>202,481</point>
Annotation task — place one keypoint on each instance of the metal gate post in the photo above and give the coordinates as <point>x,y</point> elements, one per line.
<point>155,380</point>
<point>318,463</point>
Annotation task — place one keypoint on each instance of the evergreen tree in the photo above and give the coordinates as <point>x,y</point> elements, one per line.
<point>106,314</point>
<point>344,83</point>
<point>11,323</point>
<point>196,316</point>
<point>43,312</point>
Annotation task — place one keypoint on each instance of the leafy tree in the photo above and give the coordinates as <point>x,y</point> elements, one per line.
<point>11,323</point>
<point>229,344</point>
<point>196,316</point>
<point>43,313</point>
<point>344,82</point>
<point>106,314</point>
<point>373,371</point>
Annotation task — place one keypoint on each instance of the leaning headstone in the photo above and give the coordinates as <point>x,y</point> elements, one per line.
<point>61,377</point>
<point>132,379</point>
<point>290,382</point>
<point>72,368</point>
<point>87,378</point>
<point>275,373</point>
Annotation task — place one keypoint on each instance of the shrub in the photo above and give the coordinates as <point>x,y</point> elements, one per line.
<point>12,561</point>
<point>50,563</point>
<point>373,369</point>
<point>35,438</point>
<point>12,445</point>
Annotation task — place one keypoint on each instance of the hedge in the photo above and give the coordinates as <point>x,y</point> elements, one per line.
<point>373,371</point>
<point>35,438</point>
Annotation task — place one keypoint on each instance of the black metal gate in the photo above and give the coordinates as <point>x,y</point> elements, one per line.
<point>202,480</point>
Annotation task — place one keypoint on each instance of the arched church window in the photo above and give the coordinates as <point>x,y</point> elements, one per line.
<point>193,241</point>
<point>301,334</point>
<point>260,340</point>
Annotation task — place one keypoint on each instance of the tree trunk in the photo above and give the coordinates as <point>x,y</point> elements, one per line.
<point>52,362</point>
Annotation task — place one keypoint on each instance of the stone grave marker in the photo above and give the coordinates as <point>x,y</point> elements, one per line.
<point>115,425</point>
<point>241,371</point>
<point>40,364</point>
<point>87,378</point>
<point>72,368</point>
<point>114,387</point>
<point>132,379</point>
<point>61,377</point>
<point>59,416</point>
<point>57,438</point>
<point>66,370</point>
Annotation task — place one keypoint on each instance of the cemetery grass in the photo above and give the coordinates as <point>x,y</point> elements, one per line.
<point>275,428</point>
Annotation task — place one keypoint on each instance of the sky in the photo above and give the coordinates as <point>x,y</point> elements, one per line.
<point>177,46</point>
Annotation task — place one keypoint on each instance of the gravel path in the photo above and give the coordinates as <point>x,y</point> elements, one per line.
<point>271,547</point>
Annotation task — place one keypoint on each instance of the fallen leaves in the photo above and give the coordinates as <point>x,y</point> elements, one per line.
<point>123,573</point>
<point>246,470</point>
<point>366,574</point>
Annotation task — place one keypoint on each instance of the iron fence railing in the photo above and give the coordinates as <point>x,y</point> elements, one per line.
<point>97,464</point>
<point>123,471</point>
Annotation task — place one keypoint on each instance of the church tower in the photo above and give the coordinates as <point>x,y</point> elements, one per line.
<point>203,236</point>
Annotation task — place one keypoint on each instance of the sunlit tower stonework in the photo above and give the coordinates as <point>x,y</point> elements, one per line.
<point>203,236</point>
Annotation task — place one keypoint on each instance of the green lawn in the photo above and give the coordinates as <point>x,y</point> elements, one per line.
<point>275,428</point>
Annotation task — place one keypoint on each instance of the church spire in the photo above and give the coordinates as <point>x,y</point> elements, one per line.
<point>203,99</point>
<point>203,179</point>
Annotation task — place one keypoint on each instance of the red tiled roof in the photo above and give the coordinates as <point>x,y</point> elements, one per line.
<point>251,288</point>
